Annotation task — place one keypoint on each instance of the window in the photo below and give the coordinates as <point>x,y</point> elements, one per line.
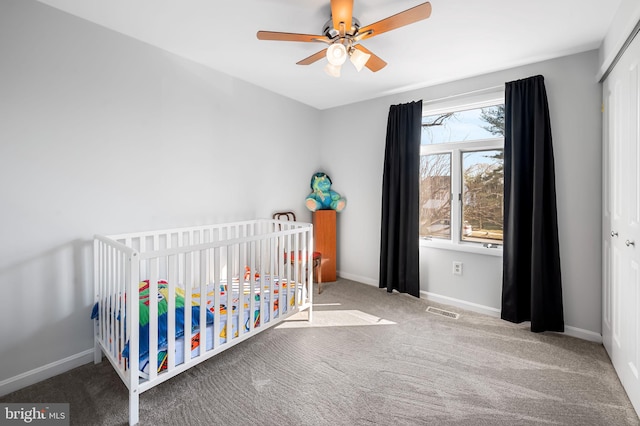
<point>461,174</point>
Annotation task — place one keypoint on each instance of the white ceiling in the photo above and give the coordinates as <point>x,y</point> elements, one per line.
<point>462,38</point>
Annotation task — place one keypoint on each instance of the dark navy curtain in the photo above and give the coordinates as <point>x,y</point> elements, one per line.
<point>531,283</point>
<point>399,245</point>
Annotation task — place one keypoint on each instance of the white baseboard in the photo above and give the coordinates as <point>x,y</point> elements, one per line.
<point>358,278</point>
<point>39,374</point>
<point>463,304</point>
<point>583,334</point>
<point>580,333</point>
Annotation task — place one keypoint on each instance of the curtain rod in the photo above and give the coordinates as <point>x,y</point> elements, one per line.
<point>460,95</point>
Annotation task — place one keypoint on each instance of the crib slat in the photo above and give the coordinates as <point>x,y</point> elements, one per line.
<point>153,317</point>
<point>216,298</point>
<point>120,286</point>
<point>264,261</point>
<point>104,294</point>
<point>116,290</point>
<point>188,289</point>
<point>252,283</point>
<point>283,276</point>
<point>171,314</point>
<point>301,264</point>
<point>242,255</point>
<point>97,352</point>
<point>203,301</point>
<point>229,293</point>
<point>274,258</point>
<point>308,270</point>
<point>108,300</point>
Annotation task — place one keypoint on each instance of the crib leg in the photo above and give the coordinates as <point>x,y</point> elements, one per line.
<point>97,354</point>
<point>134,406</point>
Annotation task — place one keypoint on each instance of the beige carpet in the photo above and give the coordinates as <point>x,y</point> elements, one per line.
<point>369,358</point>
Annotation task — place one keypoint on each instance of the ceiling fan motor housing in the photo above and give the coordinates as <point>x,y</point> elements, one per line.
<point>329,31</point>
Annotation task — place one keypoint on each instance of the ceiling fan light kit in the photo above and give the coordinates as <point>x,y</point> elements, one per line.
<point>337,54</point>
<point>358,58</point>
<point>343,35</point>
<point>332,70</point>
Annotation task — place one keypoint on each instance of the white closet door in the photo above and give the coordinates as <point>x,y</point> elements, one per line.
<point>621,220</point>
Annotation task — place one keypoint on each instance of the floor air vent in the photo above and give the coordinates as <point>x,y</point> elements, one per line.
<point>442,312</point>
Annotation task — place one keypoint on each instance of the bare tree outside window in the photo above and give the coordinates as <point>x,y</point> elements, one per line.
<point>481,174</point>
<point>435,195</point>
<point>482,195</point>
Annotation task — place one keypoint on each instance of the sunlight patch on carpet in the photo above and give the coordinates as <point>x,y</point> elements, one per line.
<point>343,318</point>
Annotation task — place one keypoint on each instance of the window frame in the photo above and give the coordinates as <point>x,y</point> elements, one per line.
<point>456,149</point>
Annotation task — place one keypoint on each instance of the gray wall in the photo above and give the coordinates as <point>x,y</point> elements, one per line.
<point>354,162</point>
<point>100,133</point>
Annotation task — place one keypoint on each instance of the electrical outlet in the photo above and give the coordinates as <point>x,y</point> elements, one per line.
<point>457,268</point>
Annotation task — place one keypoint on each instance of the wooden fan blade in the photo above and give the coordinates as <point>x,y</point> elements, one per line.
<point>342,11</point>
<point>313,58</point>
<point>272,35</point>
<point>409,16</point>
<point>374,63</point>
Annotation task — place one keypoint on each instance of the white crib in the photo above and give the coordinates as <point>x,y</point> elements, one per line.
<point>241,272</point>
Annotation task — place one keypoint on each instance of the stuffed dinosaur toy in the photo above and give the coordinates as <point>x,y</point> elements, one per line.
<point>322,196</point>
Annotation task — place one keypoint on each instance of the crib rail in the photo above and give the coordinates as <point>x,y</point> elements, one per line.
<point>264,264</point>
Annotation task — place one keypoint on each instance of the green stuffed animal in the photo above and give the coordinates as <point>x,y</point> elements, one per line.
<point>323,197</point>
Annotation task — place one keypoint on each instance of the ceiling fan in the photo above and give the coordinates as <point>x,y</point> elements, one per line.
<point>343,33</point>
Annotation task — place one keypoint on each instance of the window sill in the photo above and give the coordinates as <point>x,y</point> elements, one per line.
<point>464,247</point>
